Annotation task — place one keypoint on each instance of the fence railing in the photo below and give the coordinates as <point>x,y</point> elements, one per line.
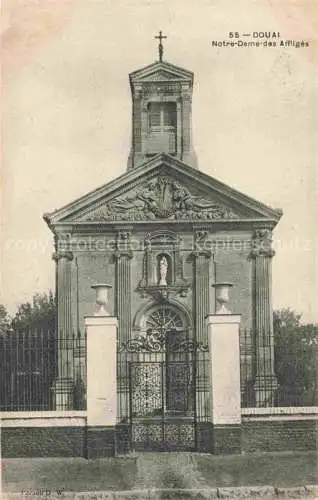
<point>30,363</point>
<point>278,371</point>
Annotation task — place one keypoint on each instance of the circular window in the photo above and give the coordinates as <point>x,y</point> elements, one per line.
<point>164,319</point>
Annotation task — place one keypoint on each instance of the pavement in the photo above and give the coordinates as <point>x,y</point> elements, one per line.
<point>249,492</point>
<point>162,476</point>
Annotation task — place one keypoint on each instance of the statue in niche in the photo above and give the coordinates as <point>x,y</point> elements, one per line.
<point>163,271</point>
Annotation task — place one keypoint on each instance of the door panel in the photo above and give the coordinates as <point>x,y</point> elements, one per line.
<point>161,406</point>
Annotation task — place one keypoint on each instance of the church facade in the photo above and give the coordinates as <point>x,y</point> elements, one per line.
<point>162,234</point>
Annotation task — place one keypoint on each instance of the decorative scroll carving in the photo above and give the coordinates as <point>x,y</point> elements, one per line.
<point>123,245</point>
<point>161,198</point>
<point>164,292</point>
<point>262,243</point>
<point>200,236</point>
<point>202,246</point>
<point>62,254</point>
<point>156,342</point>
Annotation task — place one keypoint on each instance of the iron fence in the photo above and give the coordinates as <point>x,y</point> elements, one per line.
<point>275,372</point>
<point>278,370</point>
<point>30,363</point>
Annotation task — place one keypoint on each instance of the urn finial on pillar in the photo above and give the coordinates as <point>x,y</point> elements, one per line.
<point>222,297</point>
<point>101,290</point>
<point>101,381</point>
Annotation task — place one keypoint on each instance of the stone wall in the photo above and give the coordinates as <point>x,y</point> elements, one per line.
<point>21,442</point>
<point>279,435</point>
<point>257,436</point>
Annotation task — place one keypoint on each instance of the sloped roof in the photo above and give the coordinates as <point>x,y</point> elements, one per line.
<point>160,71</point>
<point>163,188</point>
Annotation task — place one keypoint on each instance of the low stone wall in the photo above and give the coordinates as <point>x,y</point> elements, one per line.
<point>295,433</point>
<point>100,442</point>
<point>43,434</point>
<point>66,434</point>
<point>18,442</point>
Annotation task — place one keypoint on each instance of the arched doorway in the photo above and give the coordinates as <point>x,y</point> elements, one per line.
<point>162,382</point>
<point>160,365</point>
<point>168,325</point>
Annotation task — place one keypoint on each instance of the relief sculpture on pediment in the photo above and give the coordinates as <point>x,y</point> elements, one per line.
<point>161,198</point>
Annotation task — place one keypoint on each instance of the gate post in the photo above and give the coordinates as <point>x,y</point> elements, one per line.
<point>101,331</point>
<point>224,372</point>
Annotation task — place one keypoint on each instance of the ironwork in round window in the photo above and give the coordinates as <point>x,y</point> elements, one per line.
<point>164,319</point>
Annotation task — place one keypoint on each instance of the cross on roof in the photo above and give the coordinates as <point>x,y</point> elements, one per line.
<point>160,37</point>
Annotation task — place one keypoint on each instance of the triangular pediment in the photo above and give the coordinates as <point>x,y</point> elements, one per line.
<point>163,189</point>
<point>159,76</point>
<point>160,71</point>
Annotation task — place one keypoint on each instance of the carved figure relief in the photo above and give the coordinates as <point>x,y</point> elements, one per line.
<point>161,198</point>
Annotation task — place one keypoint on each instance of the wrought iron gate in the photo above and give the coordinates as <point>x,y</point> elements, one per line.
<point>162,405</point>
<point>163,391</point>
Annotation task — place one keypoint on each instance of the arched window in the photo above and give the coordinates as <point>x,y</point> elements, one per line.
<point>163,319</point>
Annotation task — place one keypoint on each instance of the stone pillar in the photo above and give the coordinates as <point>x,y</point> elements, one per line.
<point>186,117</point>
<point>123,255</point>
<point>188,154</point>
<point>144,126</point>
<point>136,155</point>
<point>179,128</point>
<point>224,371</point>
<point>101,332</point>
<point>261,255</point>
<point>63,387</point>
<point>201,273</point>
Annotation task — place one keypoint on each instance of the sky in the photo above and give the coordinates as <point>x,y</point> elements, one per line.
<point>66,119</point>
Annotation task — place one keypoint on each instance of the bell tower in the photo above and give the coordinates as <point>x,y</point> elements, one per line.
<point>161,112</point>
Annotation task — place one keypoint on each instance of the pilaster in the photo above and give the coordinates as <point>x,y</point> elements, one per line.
<point>136,155</point>
<point>143,125</point>
<point>261,256</point>
<point>201,275</point>
<point>186,131</point>
<point>123,256</point>
<point>63,261</point>
<point>63,387</point>
<point>138,109</point>
<point>188,154</point>
<point>179,127</point>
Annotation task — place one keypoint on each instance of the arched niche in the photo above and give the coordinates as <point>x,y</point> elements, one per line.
<point>162,279</point>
